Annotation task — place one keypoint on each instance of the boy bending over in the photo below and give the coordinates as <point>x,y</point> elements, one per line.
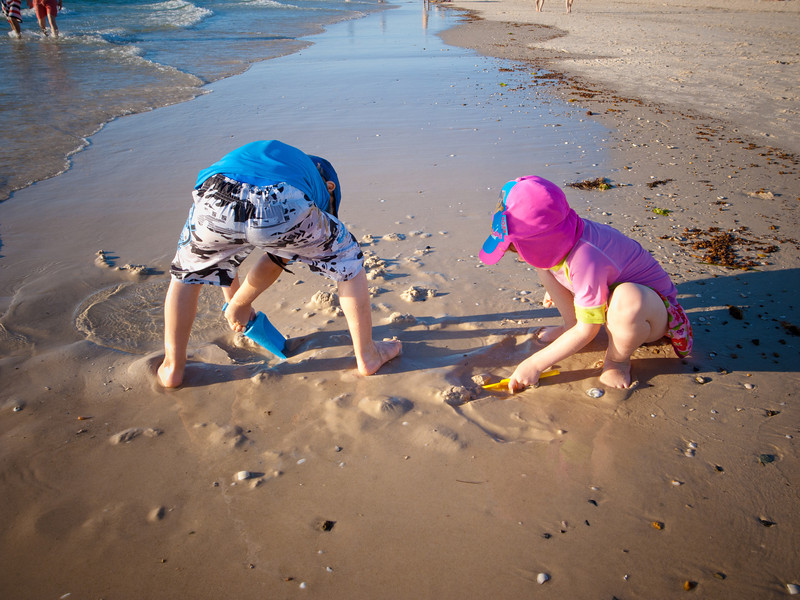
<point>271,196</point>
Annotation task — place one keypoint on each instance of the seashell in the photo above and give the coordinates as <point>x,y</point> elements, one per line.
<point>793,589</point>
<point>701,380</point>
<point>658,525</point>
<point>242,475</point>
<point>689,452</point>
<point>595,392</point>
<point>326,525</point>
<point>542,577</point>
<point>765,459</point>
<point>766,522</point>
<point>156,514</point>
<point>676,482</point>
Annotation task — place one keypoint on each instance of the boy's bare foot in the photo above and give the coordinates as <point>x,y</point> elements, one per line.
<point>169,376</point>
<point>616,374</point>
<point>385,351</point>
<point>549,333</point>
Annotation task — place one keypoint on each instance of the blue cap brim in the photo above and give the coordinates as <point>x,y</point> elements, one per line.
<point>496,244</point>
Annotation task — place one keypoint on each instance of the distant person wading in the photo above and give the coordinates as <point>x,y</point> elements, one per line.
<point>540,6</point>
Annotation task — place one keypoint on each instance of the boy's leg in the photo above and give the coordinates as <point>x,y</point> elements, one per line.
<point>636,315</point>
<point>240,298</point>
<point>354,300</point>
<point>180,308</point>
<point>563,300</point>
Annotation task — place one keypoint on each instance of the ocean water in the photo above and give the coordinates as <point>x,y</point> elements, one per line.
<point>122,57</point>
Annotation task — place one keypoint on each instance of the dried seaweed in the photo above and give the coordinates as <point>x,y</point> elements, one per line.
<point>601,183</point>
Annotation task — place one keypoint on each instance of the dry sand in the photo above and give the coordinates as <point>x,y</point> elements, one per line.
<point>405,484</point>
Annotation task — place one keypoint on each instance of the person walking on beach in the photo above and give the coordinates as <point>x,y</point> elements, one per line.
<point>46,9</point>
<point>271,196</point>
<point>593,274</point>
<point>540,6</point>
<point>12,13</point>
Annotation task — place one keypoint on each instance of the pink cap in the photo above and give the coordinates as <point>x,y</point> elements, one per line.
<point>534,215</point>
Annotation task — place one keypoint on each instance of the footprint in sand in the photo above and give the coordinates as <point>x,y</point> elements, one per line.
<point>373,412</point>
<point>438,437</point>
<point>385,408</point>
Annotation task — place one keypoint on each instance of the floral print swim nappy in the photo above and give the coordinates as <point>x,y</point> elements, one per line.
<point>679,329</point>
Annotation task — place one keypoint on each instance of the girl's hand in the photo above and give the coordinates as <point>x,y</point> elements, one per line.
<point>525,375</point>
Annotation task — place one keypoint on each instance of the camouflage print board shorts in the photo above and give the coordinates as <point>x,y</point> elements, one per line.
<point>229,219</point>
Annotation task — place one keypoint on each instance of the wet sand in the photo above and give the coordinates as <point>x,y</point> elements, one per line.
<point>409,484</point>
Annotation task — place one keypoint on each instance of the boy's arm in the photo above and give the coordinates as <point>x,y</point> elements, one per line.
<point>568,343</point>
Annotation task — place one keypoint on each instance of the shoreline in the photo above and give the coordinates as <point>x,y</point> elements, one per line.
<point>69,133</point>
<point>701,59</point>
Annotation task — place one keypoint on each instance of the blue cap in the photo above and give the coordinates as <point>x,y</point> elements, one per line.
<point>329,174</point>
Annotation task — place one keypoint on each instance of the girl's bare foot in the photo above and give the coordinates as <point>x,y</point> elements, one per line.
<point>550,333</point>
<point>384,352</point>
<point>616,374</point>
<point>170,376</point>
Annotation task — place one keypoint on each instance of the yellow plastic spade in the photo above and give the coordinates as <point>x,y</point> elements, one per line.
<point>503,383</point>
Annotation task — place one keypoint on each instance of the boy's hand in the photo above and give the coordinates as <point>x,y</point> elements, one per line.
<point>239,315</point>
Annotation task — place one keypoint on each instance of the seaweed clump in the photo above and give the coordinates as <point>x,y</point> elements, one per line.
<point>720,247</point>
<point>601,183</point>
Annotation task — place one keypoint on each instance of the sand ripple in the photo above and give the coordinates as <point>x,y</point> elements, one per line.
<point>130,317</point>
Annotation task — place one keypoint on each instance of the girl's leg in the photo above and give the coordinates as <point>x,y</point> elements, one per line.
<point>636,315</point>
<point>562,299</point>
